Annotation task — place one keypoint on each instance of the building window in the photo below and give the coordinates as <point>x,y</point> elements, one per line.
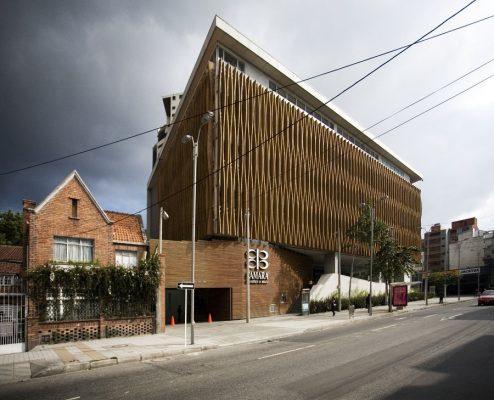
<point>72,249</point>
<point>231,59</point>
<point>74,207</point>
<point>126,258</point>
<point>7,280</point>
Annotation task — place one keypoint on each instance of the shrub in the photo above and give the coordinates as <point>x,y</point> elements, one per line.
<point>358,300</point>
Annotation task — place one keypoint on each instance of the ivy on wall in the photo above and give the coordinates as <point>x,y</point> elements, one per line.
<point>105,285</point>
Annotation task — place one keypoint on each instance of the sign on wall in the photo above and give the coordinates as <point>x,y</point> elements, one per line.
<point>257,261</point>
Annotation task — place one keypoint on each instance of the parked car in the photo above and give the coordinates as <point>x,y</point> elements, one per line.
<point>486,297</point>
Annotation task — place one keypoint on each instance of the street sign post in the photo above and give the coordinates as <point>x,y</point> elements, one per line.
<point>185,285</point>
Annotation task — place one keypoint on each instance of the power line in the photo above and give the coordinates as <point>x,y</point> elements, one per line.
<point>433,107</point>
<point>428,95</point>
<point>303,117</point>
<point>267,91</point>
<point>273,187</point>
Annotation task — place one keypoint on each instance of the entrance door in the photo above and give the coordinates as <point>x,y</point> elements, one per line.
<point>217,302</point>
<point>12,314</point>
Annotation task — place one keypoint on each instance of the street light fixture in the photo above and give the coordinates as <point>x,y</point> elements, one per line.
<point>206,117</point>
<point>163,217</point>
<point>426,266</point>
<point>372,212</point>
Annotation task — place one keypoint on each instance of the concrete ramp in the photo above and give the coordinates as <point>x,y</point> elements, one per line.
<point>328,284</point>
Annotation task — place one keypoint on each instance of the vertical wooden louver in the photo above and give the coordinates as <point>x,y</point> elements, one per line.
<point>301,181</point>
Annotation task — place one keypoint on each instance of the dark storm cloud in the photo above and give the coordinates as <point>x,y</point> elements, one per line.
<point>77,74</point>
<point>70,76</point>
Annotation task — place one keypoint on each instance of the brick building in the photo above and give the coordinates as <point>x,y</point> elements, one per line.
<point>69,227</point>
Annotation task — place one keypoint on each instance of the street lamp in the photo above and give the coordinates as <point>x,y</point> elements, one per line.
<point>426,281</point>
<point>372,212</point>
<point>163,217</point>
<point>206,117</point>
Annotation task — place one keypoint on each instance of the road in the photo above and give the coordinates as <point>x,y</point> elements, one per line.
<point>440,353</point>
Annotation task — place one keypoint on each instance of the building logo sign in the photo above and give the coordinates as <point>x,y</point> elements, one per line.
<point>257,262</point>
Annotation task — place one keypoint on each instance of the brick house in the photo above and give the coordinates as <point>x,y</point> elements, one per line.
<point>69,227</point>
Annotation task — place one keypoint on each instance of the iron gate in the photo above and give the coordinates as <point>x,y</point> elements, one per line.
<point>12,314</point>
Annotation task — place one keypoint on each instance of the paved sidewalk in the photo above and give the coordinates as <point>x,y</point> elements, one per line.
<point>60,358</point>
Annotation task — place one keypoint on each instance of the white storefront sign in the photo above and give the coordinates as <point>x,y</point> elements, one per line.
<point>257,261</point>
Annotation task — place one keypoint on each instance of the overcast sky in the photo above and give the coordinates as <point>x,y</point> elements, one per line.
<point>78,74</point>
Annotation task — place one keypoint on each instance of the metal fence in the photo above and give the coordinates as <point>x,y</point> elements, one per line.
<point>78,308</point>
<point>12,313</point>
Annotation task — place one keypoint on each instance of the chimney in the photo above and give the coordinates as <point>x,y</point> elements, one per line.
<point>27,210</point>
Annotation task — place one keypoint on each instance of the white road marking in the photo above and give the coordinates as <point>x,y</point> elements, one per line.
<point>450,318</point>
<point>74,398</point>
<point>432,315</point>
<point>401,318</point>
<point>286,352</point>
<point>384,327</point>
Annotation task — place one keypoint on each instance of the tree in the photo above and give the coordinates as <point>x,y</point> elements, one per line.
<point>393,260</point>
<point>361,230</point>
<point>11,232</point>
<point>443,278</point>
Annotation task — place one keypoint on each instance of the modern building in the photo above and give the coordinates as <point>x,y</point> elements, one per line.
<point>277,149</point>
<point>462,247</point>
<point>435,246</point>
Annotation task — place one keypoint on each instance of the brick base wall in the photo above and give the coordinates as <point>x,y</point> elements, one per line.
<point>73,331</point>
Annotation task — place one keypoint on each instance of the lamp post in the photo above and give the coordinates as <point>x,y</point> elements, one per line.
<point>195,151</point>
<point>163,217</point>
<point>247,274</point>
<point>426,281</point>
<point>371,248</point>
<point>372,212</point>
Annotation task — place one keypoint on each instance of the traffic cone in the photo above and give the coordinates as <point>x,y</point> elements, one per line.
<point>172,321</point>
<point>210,319</point>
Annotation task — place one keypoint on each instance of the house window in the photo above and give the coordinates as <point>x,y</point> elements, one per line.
<point>72,249</point>
<point>7,280</point>
<point>74,207</point>
<point>126,258</point>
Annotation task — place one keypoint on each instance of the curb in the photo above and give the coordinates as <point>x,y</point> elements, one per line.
<point>43,368</point>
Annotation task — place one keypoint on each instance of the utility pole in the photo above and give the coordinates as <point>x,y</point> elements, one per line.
<point>247,267</point>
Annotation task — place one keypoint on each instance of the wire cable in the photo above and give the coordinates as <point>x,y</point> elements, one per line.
<point>303,117</point>
<point>12,171</point>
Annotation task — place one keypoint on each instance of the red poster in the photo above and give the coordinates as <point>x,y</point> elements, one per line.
<point>400,296</point>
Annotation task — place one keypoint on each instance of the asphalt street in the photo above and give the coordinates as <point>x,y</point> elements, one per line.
<point>444,352</point>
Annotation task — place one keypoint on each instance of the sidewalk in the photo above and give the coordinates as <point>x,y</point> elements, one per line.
<point>60,358</point>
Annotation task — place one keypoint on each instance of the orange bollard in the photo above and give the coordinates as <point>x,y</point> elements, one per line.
<point>210,319</point>
<point>172,321</point>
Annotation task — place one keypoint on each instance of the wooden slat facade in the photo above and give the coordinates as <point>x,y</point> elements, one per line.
<point>301,181</point>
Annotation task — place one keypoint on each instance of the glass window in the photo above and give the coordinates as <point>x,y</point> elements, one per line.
<point>72,249</point>
<point>74,208</point>
<point>126,258</point>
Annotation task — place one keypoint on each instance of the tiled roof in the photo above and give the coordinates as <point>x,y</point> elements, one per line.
<point>127,227</point>
<point>11,253</point>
